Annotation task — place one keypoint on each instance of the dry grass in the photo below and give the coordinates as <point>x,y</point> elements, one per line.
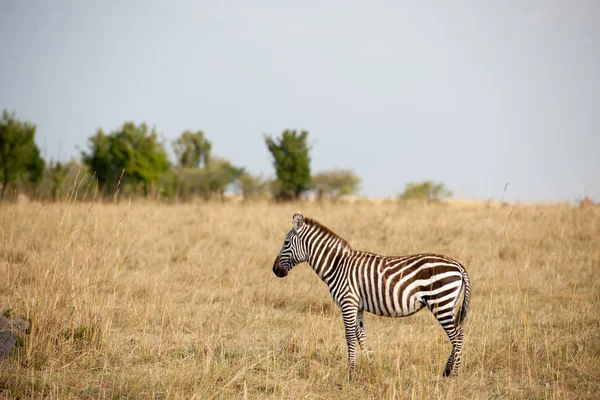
<point>159,301</point>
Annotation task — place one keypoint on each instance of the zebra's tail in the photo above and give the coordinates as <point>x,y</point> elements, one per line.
<point>464,307</point>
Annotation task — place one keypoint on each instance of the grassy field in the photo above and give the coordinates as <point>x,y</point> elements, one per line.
<point>179,301</point>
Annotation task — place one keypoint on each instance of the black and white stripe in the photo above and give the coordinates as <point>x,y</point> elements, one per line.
<point>389,286</point>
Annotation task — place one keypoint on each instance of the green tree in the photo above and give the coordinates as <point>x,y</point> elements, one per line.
<point>221,174</point>
<point>99,159</point>
<point>335,183</point>
<point>167,184</point>
<point>133,151</point>
<point>20,159</point>
<point>291,160</point>
<point>59,172</point>
<point>210,181</point>
<point>427,191</point>
<point>192,149</point>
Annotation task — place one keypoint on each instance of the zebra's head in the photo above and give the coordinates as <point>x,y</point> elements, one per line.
<point>293,251</point>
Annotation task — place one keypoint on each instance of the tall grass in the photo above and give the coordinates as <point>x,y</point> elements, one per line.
<point>179,301</point>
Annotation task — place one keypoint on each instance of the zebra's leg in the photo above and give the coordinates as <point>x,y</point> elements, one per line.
<point>361,335</point>
<point>455,333</point>
<point>349,313</point>
<point>458,344</point>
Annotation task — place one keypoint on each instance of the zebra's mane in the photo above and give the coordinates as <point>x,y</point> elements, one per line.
<point>322,227</point>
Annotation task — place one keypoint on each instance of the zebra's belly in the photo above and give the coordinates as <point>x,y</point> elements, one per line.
<point>390,310</point>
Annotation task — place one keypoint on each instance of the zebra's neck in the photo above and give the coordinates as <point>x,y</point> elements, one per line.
<point>324,248</point>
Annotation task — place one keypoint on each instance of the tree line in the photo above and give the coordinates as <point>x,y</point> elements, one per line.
<point>132,160</point>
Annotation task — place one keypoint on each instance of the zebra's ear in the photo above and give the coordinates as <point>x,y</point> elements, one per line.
<point>298,221</point>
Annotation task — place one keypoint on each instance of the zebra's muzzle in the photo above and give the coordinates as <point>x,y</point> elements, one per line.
<point>277,270</point>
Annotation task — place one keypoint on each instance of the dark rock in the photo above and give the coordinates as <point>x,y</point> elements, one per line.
<point>4,323</point>
<point>20,324</point>
<point>7,343</point>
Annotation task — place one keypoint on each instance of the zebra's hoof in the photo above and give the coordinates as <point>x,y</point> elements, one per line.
<point>447,372</point>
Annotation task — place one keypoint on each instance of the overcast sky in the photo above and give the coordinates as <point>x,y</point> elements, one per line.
<point>472,94</point>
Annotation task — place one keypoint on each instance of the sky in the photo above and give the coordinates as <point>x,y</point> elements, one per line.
<point>472,94</point>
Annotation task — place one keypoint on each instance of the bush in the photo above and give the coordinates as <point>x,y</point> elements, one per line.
<point>63,181</point>
<point>335,183</point>
<point>208,182</point>
<point>425,191</point>
<point>252,186</point>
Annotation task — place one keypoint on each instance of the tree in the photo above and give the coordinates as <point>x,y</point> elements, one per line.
<point>99,159</point>
<point>192,149</point>
<point>252,186</point>
<point>19,155</point>
<point>167,184</point>
<point>211,180</point>
<point>59,172</point>
<point>292,163</point>
<point>133,151</point>
<point>427,190</point>
<point>220,174</point>
<point>335,183</point>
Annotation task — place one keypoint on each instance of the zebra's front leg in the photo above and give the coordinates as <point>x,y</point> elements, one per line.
<point>349,314</point>
<point>361,335</point>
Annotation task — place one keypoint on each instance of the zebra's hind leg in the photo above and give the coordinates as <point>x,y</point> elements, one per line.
<point>455,334</point>
<point>361,335</point>
<point>458,348</point>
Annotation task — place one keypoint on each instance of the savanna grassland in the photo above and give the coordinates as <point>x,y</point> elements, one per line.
<point>143,300</point>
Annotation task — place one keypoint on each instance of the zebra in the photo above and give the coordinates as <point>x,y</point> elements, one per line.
<point>361,281</point>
